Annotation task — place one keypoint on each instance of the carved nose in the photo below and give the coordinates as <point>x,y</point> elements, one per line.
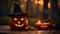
<point>18,22</point>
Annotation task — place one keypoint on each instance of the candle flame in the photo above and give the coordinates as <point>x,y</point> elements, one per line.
<point>39,22</point>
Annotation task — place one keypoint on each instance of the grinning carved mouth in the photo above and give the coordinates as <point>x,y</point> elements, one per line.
<point>19,25</point>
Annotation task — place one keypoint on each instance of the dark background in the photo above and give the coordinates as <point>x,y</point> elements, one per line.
<point>9,7</point>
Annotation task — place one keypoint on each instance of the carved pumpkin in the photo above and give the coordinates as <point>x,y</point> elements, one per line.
<point>18,22</point>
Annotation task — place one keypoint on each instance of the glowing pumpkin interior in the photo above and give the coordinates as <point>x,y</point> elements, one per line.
<point>18,22</point>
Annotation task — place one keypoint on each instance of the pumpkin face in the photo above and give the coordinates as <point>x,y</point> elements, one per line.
<point>18,22</point>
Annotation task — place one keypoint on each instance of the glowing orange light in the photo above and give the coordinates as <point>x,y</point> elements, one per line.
<point>26,21</point>
<point>22,18</point>
<point>22,6</point>
<point>44,26</point>
<point>39,22</point>
<point>35,1</point>
<point>15,18</point>
<point>41,2</point>
<point>18,25</point>
<point>49,5</point>
<point>18,22</point>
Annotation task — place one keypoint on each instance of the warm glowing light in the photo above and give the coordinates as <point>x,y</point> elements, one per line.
<point>25,0</point>
<point>49,5</point>
<point>39,22</point>
<point>26,21</point>
<point>19,22</point>
<point>18,25</point>
<point>15,18</point>
<point>36,1</point>
<point>22,18</point>
<point>22,6</point>
<point>27,27</point>
<point>41,2</point>
<point>44,26</point>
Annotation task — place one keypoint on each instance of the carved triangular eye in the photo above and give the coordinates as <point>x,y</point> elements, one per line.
<point>22,18</point>
<point>15,19</point>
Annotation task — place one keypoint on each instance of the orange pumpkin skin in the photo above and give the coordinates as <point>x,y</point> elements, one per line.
<point>12,22</point>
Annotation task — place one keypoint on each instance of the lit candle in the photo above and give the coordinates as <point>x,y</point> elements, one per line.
<point>41,25</point>
<point>38,24</point>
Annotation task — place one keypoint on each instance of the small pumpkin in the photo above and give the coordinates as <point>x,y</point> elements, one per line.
<point>18,22</point>
<point>41,25</point>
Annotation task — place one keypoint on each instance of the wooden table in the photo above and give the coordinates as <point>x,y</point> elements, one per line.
<point>6,30</point>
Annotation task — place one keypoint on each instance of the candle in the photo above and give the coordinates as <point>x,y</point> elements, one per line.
<point>41,25</point>
<point>38,24</point>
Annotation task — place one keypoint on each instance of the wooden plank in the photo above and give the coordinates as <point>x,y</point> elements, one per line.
<point>6,30</point>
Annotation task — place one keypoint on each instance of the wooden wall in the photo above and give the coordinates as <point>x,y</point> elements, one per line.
<point>6,7</point>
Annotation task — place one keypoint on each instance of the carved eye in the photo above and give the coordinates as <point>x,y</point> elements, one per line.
<point>22,18</point>
<point>15,18</point>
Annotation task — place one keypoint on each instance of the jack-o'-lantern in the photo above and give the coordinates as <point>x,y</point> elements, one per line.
<point>18,22</point>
